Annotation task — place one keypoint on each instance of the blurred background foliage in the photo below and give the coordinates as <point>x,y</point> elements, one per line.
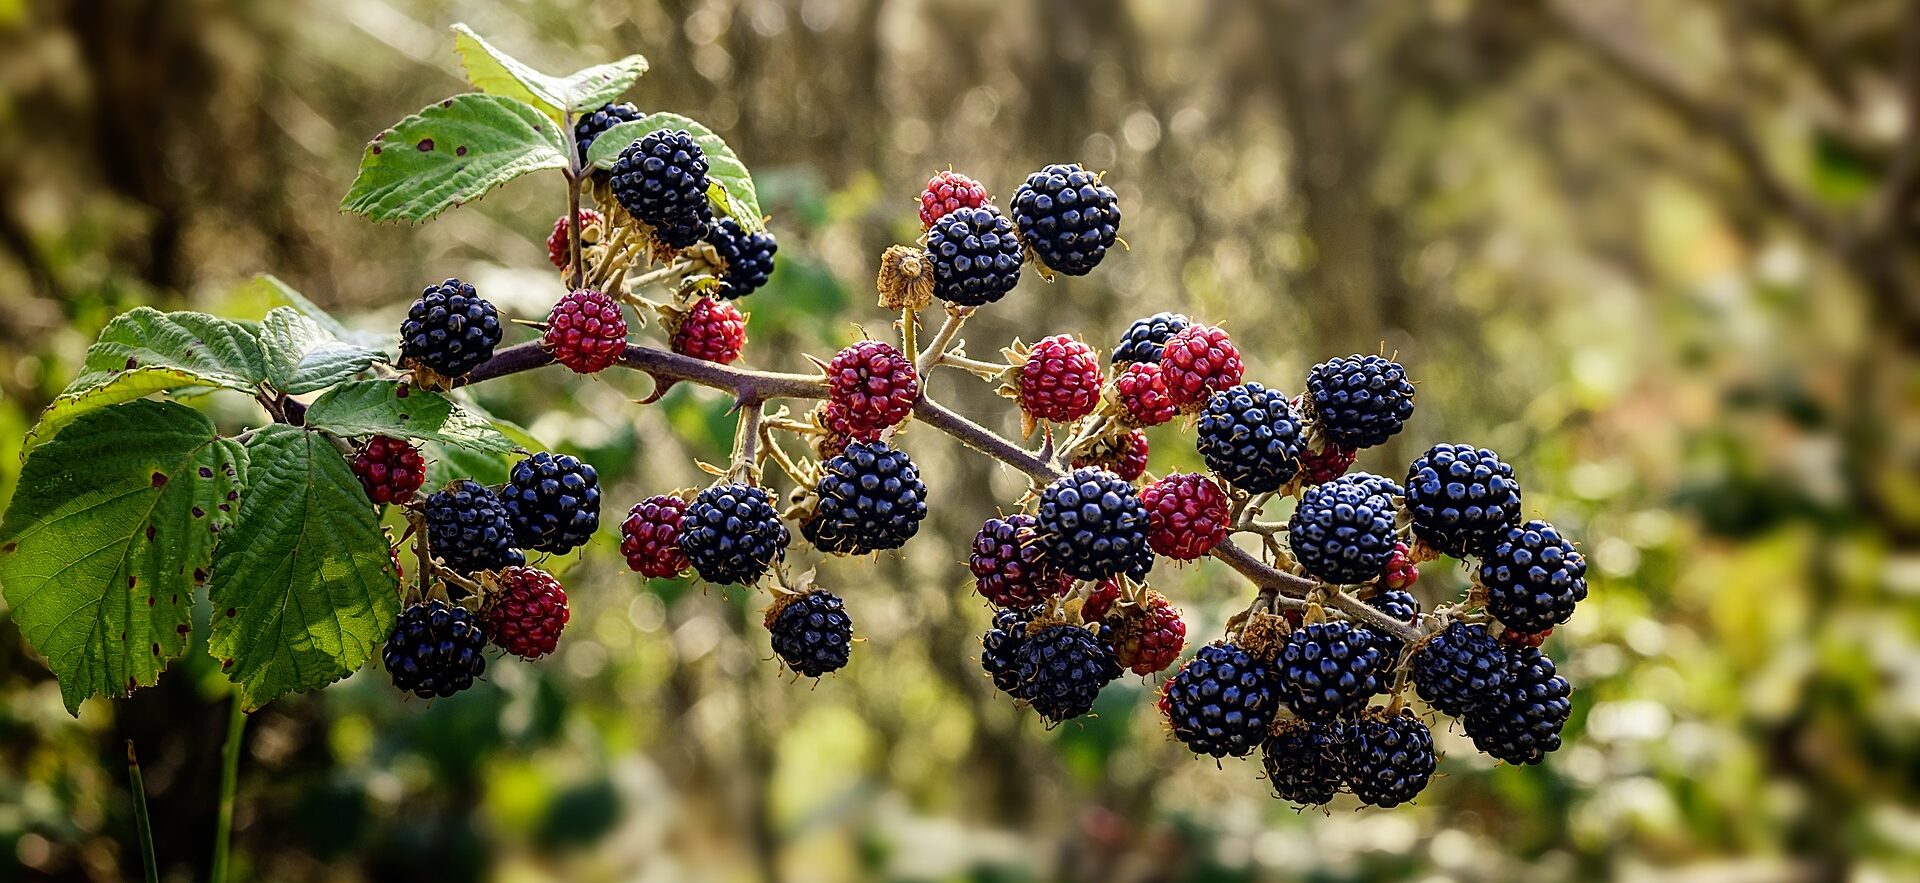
<point>1661,255</point>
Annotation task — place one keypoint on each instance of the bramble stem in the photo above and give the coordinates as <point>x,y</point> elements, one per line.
<point>577,273</point>
<point>229,781</point>
<point>142,825</point>
<point>937,347</point>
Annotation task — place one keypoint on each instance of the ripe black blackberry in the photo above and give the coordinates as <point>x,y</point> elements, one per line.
<point>1145,338</point>
<point>1460,668</point>
<point>589,127</point>
<point>976,257</point>
<point>1093,526</point>
<point>1328,669</point>
<point>1000,649</point>
<point>468,528</point>
<point>1387,759</point>
<point>1533,576</point>
<point>1302,760</point>
<point>661,180</point>
<point>1251,437</point>
<point>553,502</point>
<point>811,632</point>
<point>1062,668</point>
<point>1341,532</point>
<point>1067,217</point>
<point>871,498</point>
<point>732,533</point>
<point>1522,722</point>
<point>435,649</point>
<point>1403,607</point>
<point>1459,496</point>
<point>1221,702</point>
<point>1359,401</point>
<point>748,256</point>
<point>449,330</point>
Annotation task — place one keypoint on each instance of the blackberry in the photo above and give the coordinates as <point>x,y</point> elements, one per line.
<point>1359,401</point>
<point>1522,722</point>
<point>1100,600</point>
<point>661,180</point>
<point>1328,669</point>
<point>1062,668</point>
<point>528,613</point>
<point>553,502</point>
<point>589,127</point>
<point>389,469</point>
<point>1067,217</point>
<point>712,331</point>
<point>1386,758</point>
<point>1145,337</point>
<point>1141,391</point>
<point>1403,607</point>
<point>811,632</point>
<point>449,330</point>
<point>585,331</point>
<point>1187,515</point>
<point>560,241</point>
<point>1009,566</point>
<point>1250,436</point>
<point>1093,526</point>
<point>435,649</point>
<point>1460,668</point>
<point>1459,496</point>
<point>1124,455</point>
<point>1199,360</point>
<point>732,533</point>
<point>1000,649</point>
<point>976,257</point>
<point>1326,464</point>
<point>1148,637</point>
<point>1221,701</point>
<point>947,192</point>
<point>748,257</point>
<point>871,498</point>
<point>1341,533</point>
<point>1060,380</point>
<point>1302,760</point>
<point>650,537</point>
<point>1376,484</point>
<point>468,528</point>
<point>874,386</point>
<point>1401,573</point>
<point>1533,577</point>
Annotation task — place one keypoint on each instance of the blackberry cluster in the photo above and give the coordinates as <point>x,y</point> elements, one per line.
<point>871,499</point>
<point>1459,668</point>
<point>811,632</point>
<point>469,529</point>
<point>435,650</point>
<point>748,257</point>
<point>650,537</point>
<point>1386,758</point>
<point>1060,380</point>
<point>732,533</point>
<point>1302,759</point>
<point>527,615</point>
<point>661,180</point>
<point>1124,455</point>
<point>1000,649</point>
<point>1251,437</point>
<point>1342,533</point>
<point>975,255</point>
<point>1067,217</point>
<point>1061,669</point>
<point>1009,565</point>
<point>1328,669</point>
<point>591,126</point>
<point>1093,526</point>
<point>1359,401</point>
<point>389,469</point>
<point>1146,337</point>
<point>1460,496</point>
<point>1520,722</point>
<point>449,330</point>
<point>1221,702</point>
<point>1533,577</point>
<point>553,502</point>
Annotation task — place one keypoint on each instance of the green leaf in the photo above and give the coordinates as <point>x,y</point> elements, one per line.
<point>737,197</point>
<point>447,462</point>
<point>452,153</point>
<point>386,407</point>
<point>110,531</point>
<point>303,357</point>
<point>144,351</point>
<point>491,70</point>
<point>276,293</point>
<point>303,590</point>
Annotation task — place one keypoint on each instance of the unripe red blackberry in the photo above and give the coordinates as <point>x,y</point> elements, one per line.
<point>1124,455</point>
<point>947,192</point>
<point>1009,564</point>
<point>1187,515</point>
<point>1093,526</point>
<point>1326,464</point>
<point>1460,497</point>
<point>873,385</point>
<point>732,533</point>
<point>661,180</point>
<point>1302,760</point>
<point>1359,401</point>
<point>712,331</point>
<point>435,650</point>
<point>1220,703</point>
<point>748,257</point>
<point>650,537</point>
<point>1250,436</point>
<point>870,499</point>
<point>1521,722</point>
<point>1141,391</point>
<point>1515,638</point>
<point>976,257</point>
<point>1401,573</point>
<point>528,613</point>
<point>1062,668</point>
<point>389,469</point>
<point>1060,380</point>
<point>449,330</point>
<point>1100,600</point>
<point>1144,339</point>
<point>1387,759</point>
<point>1067,216</point>
<point>560,241</point>
<point>1146,638</point>
<point>1341,533</point>
<point>1533,577</point>
<point>811,632</point>
<point>585,331</point>
<point>1199,360</point>
<point>1328,669</point>
<point>1459,668</point>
